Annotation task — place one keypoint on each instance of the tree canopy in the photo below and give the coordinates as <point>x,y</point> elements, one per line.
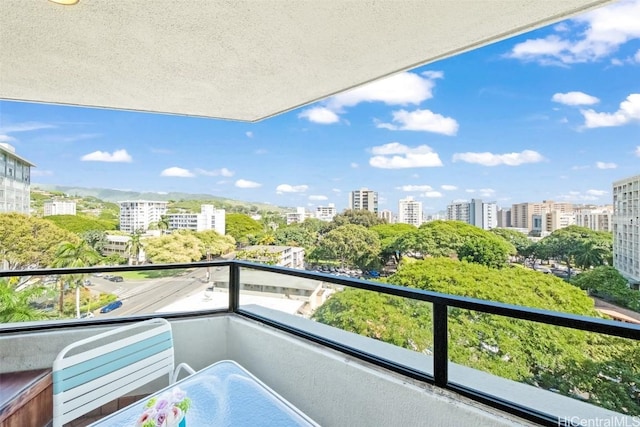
<point>81,224</point>
<point>605,282</point>
<point>28,242</point>
<point>357,217</point>
<point>352,245</point>
<point>242,228</point>
<point>173,248</point>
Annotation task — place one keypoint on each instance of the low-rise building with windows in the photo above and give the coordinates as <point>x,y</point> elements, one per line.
<point>59,207</point>
<point>209,218</point>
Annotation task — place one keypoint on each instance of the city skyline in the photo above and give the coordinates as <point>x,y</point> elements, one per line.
<point>553,114</point>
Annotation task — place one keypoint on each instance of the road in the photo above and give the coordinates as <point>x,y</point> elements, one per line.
<point>150,295</point>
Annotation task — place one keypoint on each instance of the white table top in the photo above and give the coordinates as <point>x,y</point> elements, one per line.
<point>223,394</point>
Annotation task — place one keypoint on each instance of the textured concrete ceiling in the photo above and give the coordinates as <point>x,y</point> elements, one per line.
<point>240,60</point>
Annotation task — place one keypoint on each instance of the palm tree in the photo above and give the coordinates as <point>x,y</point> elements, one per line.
<point>590,254</point>
<point>163,224</point>
<point>15,306</point>
<point>134,246</point>
<point>74,255</point>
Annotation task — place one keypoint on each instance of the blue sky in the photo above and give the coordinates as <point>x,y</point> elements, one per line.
<point>551,114</point>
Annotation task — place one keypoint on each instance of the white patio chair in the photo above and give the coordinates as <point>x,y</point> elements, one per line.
<point>94,371</point>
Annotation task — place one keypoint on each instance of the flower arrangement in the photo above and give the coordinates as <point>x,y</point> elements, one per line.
<point>166,410</point>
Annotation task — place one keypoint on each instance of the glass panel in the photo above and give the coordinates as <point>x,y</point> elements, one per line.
<point>134,293</point>
<point>392,328</point>
<point>561,371</point>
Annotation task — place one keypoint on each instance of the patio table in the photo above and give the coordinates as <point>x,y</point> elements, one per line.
<point>223,394</point>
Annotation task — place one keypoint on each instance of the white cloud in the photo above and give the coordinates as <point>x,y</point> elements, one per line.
<point>487,192</point>
<point>318,197</point>
<point>415,188</point>
<point>354,165</point>
<point>336,190</point>
<point>177,172</point>
<point>574,98</point>
<point>421,120</point>
<point>604,165</point>
<point>636,57</point>
<point>491,159</point>
<point>400,89</point>
<point>629,111</point>
<point>398,156</point>
<point>320,115</point>
<point>103,156</point>
<point>589,195</point>
<point>249,134</point>
<point>6,138</point>
<point>25,127</point>
<point>447,187</point>
<point>638,151</point>
<point>600,34</point>
<point>216,172</point>
<point>577,168</point>
<point>286,188</point>
<point>260,151</point>
<point>38,172</point>
<point>431,194</point>
<point>596,192</point>
<point>243,183</point>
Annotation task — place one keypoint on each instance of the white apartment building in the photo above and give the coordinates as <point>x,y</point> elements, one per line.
<point>59,207</point>
<point>387,215</point>
<point>326,213</point>
<point>209,218</point>
<point>15,181</point>
<point>298,216</point>
<point>596,219</point>
<point>626,228</point>
<point>363,200</point>
<point>481,214</point>
<point>287,256</point>
<point>504,218</point>
<point>139,214</point>
<point>522,213</point>
<point>458,211</point>
<point>410,212</point>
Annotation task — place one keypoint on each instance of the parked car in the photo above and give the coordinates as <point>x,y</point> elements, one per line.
<point>111,306</point>
<point>87,282</point>
<point>87,315</point>
<point>116,279</point>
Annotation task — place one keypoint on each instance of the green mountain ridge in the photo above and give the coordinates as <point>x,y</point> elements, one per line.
<point>112,195</point>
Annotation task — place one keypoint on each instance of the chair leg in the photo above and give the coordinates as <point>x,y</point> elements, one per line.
<point>181,366</point>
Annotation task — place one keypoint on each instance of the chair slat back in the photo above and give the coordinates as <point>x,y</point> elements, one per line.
<point>95,375</point>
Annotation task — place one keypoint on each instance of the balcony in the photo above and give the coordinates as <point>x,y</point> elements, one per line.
<point>335,376</point>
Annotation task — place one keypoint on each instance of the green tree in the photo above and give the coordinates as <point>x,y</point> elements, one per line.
<point>17,305</point>
<point>352,245</point>
<point>96,239</point>
<point>492,252</point>
<point>74,255</point>
<point>163,224</point>
<point>260,255</point>
<point>295,235</point>
<point>607,283</point>
<point>177,247</point>
<point>567,243</point>
<point>390,236</point>
<point>242,228</point>
<point>357,217</point>
<point>80,224</point>
<point>215,244</point>
<point>519,240</point>
<point>134,247</point>
<point>590,253</point>
<point>28,242</point>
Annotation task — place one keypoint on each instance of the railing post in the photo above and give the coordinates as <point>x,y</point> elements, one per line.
<point>234,287</point>
<point>440,344</point>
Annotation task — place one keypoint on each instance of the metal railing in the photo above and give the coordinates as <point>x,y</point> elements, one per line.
<point>441,303</point>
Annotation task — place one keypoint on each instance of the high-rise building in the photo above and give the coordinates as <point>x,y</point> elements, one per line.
<point>410,212</point>
<point>326,213</point>
<point>522,213</point>
<point>15,181</point>
<point>387,215</point>
<point>137,215</point>
<point>478,213</point>
<point>209,218</point>
<point>626,228</point>
<point>504,218</point>
<point>364,200</point>
<point>59,207</point>
<point>595,218</point>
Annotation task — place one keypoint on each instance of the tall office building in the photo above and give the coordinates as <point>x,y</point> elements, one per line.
<point>410,212</point>
<point>458,211</point>
<point>364,200</point>
<point>137,215</point>
<point>59,207</point>
<point>626,228</point>
<point>522,213</point>
<point>504,218</point>
<point>595,218</point>
<point>15,181</point>
<point>209,218</point>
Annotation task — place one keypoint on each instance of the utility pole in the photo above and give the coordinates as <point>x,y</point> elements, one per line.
<point>208,268</point>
